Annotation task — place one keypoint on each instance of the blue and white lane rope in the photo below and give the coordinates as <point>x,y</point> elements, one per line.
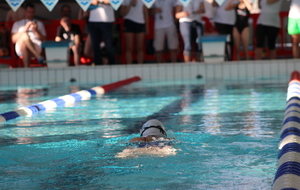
<point>65,100</point>
<point>288,171</point>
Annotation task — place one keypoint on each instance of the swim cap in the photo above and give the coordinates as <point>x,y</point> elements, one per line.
<point>153,127</point>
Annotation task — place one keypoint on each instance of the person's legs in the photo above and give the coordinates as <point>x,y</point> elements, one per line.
<point>76,54</point>
<point>245,42</point>
<point>261,34</point>
<point>158,43</point>
<point>107,34</point>
<point>225,29</point>
<point>25,42</point>
<point>88,50</point>
<point>272,35</point>
<point>199,33</point>
<point>129,47</point>
<point>140,46</point>
<point>96,34</point>
<point>296,41</point>
<point>185,31</point>
<point>172,38</point>
<point>294,31</point>
<point>236,41</point>
<point>26,48</point>
<point>24,52</point>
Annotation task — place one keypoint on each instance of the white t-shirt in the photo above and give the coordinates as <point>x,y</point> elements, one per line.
<point>224,17</point>
<point>136,13</point>
<point>294,9</point>
<point>191,8</point>
<point>269,14</point>
<point>103,13</point>
<point>165,18</point>
<point>19,26</point>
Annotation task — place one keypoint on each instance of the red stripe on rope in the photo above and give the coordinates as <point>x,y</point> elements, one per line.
<point>112,86</point>
<point>295,76</point>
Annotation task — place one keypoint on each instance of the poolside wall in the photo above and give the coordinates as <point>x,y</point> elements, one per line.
<point>243,70</point>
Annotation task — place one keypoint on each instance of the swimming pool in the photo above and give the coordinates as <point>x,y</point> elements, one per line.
<point>227,135</point>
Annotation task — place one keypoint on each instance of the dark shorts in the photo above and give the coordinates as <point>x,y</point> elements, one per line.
<point>263,32</point>
<point>224,28</point>
<point>133,27</point>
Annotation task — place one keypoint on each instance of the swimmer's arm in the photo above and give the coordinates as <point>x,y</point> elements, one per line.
<point>137,139</point>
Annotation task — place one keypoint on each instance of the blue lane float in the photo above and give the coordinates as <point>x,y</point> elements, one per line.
<point>288,172</point>
<point>65,100</point>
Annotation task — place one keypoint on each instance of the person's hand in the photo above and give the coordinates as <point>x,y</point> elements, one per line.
<point>28,26</point>
<point>33,26</point>
<point>185,14</point>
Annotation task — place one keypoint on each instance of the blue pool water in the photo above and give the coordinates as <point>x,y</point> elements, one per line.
<point>226,137</point>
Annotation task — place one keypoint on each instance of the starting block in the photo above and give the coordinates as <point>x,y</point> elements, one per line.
<point>213,47</point>
<point>57,53</point>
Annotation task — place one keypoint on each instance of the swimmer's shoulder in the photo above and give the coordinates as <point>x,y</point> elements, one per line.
<point>138,139</point>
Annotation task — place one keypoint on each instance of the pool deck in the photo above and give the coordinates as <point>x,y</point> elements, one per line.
<point>235,70</point>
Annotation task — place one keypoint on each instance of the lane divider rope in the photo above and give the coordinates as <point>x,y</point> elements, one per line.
<point>288,172</point>
<point>66,99</point>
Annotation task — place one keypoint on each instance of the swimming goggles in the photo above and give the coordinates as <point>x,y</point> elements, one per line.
<point>157,127</point>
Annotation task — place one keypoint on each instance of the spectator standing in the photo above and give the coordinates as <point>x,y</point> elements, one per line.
<point>72,32</point>
<point>135,15</point>
<point>100,27</point>
<point>224,21</point>
<point>268,25</point>
<point>11,16</point>
<point>241,27</point>
<point>294,26</point>
<point>165,28</point>
<point>19,14</point>
<point>28,35</point>
<point>191,27</point>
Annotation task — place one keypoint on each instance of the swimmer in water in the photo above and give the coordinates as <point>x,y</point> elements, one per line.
<point>152,141</point>
<point>152,130</point>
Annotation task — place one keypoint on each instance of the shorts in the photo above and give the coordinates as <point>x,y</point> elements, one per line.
<point>133,27</point>
<point>269,32</point>
<point>293,26</point>
<point>159,38</point>
<point>19,53</point>
<point>224,28</point>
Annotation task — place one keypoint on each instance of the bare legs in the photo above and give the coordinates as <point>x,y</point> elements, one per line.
<point>139,38</point>
<point>27,48</point>
<point>76,52</point>
<point>140,47</point>
<point>296,41</point>
<point>88,50</point>
<point>241,38</point>
<point>173,56</point>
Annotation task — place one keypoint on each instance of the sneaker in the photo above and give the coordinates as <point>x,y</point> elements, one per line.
<point>41,60</point>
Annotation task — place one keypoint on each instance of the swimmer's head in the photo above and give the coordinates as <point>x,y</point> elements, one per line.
<point>153,127</point>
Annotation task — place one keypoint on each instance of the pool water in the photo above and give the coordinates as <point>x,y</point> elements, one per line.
<point>226,137</point>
